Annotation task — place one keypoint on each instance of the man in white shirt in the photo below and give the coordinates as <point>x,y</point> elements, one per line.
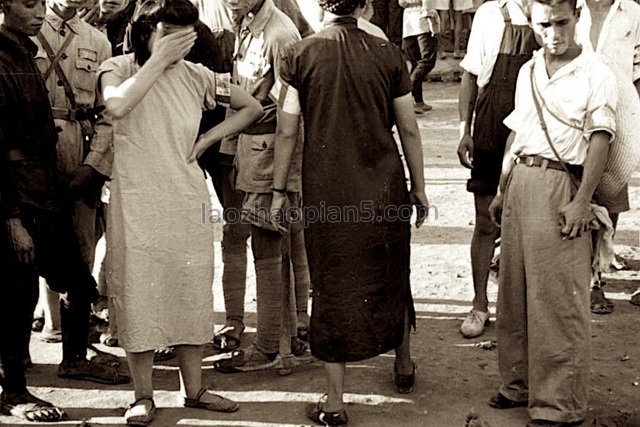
<point>544,322</point>
<point>500,42</point>
<point>611,29</point>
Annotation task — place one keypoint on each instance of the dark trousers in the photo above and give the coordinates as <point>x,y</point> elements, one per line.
<point>387,14</point>
<point>234,232</point>
<point>422,52</point>
<point>58,259</point>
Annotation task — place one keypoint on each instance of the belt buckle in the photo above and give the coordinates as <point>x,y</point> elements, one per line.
<point>529,161</point>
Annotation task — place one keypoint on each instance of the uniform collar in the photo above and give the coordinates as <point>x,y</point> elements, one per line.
<point>57,23</point>
<point>20,42</point>
<point>255,22</point>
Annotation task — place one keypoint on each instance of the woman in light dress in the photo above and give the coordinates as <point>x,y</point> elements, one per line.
<point>161,249</point>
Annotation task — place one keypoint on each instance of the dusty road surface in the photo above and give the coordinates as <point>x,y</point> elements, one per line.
<point>454,375</point>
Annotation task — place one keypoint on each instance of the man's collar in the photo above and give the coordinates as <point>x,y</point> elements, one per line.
<point>256,22</point>
<point>57,23</point>
<point>20,41</point>
<point>570,67</point>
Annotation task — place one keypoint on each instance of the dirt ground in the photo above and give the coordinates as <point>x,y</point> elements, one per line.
<point>454,374</point>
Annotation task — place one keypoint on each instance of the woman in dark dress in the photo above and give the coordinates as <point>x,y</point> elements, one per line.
<point>351,88</point>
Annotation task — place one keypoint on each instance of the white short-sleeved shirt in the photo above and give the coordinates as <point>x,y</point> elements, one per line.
<point>619,41</point>
<point>486,36</point>
<point>582,96</point>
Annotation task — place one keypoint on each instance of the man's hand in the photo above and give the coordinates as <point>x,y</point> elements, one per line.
<point>575,218</point>
<point>279,203</point>
<point>21,242</point>
<point>419,199</point>
<point>82,179</point>
<point>465,151</point>
<point>495,209</point>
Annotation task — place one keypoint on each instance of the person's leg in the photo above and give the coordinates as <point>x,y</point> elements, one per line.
<point>427,46</point>
<point>234,245</point>
<point>482,248</point>
<point>394,22</point>
<point>19,297</point>
<point>335,386</point>
<point>50,302</point>
<point>302,278</point>
<point>457,34</point>
<point>403,363</point>
<point>191,390</point>
<point>190,360</point>
<point>380,16</point>
<point>141,368</point>
<point>512,301</point>
<point>267,254</point>
<point>558,319</point>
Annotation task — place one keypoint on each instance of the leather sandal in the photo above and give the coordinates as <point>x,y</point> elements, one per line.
<point>599,303</point>
<point>228,338</point>
<point>221,404</point>
<point>30,408</point>
<point>137,418</point>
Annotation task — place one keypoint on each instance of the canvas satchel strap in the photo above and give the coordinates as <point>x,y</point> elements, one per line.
<point>535,94</point>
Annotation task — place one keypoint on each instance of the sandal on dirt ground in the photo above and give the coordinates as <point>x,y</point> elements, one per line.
<point>164,353</point>
<point>137,413</point>
<point>205,399</point>
<point>317,414</point>
<point>404,383</point>
<point>247,360</point>
<point>92,371</point>
<point>599,303</point>
<point>30,408</point>
<point>228,338</point>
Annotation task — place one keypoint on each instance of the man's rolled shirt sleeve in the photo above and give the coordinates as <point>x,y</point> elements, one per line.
<point>601,108</point>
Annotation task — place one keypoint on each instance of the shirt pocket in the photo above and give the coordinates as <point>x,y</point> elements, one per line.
<point>85,70</point>
<point>262,157</point>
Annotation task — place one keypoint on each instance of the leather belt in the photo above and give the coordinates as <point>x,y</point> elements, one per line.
<point>74,115</point>
<point>541,162</point>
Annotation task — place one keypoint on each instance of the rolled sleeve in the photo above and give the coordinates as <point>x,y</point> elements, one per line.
<point>601,114</point>
<point>100,156</point>
<point>474,59</point>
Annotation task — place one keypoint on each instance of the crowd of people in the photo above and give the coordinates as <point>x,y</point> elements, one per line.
<point>113,114</point>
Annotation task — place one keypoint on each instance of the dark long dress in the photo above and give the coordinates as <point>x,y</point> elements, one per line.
<point>359,262</point>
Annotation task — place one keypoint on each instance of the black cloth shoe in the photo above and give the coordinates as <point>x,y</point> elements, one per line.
<point>318,415</point>
<point>499,401</point>
<point>404,383</point>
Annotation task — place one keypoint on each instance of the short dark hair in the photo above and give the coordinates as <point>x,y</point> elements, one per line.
<point>572,3</point>
<point>147,16</point>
